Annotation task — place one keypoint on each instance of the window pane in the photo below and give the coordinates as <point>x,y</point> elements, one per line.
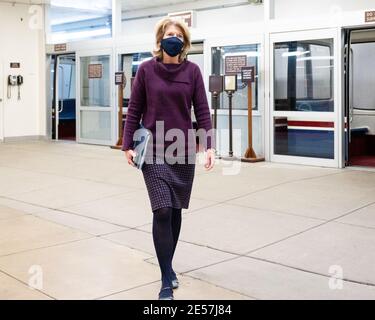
<point>95,84</point>
<point>96,125</point>
<point>67,77</point>
<point>304,76</point>
<point>76,20</point>
<point>240,100</point>
<point>295,137</point>
<point>363,81</point>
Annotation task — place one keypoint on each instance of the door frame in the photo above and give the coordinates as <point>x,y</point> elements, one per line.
<point>57,97</point>
<point>56,90</point>
<point>112,109</point>
<point>346,69</point>
<point>335,117</point>
<point>347,32</point>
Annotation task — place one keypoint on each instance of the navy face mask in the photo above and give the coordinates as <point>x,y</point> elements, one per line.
<point>172,46</point>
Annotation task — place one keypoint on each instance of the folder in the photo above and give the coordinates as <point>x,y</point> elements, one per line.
<point>140,146</point>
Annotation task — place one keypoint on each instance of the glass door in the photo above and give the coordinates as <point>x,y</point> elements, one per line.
<point>96,110</point>
<point>304,94</point>
<point>249,51</point>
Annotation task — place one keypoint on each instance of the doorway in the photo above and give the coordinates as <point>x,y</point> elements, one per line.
<point>360,98</point>
<point>63,70</point>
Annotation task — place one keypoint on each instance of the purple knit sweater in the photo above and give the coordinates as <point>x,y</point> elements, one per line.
<point>165,92</point>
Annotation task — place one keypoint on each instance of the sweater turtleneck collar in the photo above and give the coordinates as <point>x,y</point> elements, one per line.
<point>174,73</point>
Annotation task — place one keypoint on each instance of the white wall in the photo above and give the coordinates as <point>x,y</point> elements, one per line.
<point>290,9</point>
<point>205,19</point>
<point>22,41</point>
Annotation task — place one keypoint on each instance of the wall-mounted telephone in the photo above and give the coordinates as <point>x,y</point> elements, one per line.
<point>19,80</point>
<point>14,81</point>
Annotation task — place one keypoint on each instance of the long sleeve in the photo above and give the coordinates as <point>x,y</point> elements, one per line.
<point>202,109</point>
<point>136,105</point>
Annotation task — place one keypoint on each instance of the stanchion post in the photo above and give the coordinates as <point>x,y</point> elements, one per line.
<point>120,82</point>
<point>216,88</point>
<point>248,77</point>
<point>230,86</point>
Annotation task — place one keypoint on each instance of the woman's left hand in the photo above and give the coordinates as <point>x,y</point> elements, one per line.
<point>210,159</point>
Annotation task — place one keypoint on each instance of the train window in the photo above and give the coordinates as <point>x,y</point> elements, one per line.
<point>67,78</point>
<point>138,58</point>
<point>252,53</point>
<point>301,138</point>
<point>129,65</point>
<point>303,76</point>
<point>363,81</point>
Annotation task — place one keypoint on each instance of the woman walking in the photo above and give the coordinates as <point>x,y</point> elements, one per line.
<point>164,89</point>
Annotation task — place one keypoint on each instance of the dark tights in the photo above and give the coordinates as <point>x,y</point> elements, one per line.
<point>165,231</point>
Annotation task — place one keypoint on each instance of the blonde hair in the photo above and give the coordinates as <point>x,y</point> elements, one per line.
<point>160,29</point>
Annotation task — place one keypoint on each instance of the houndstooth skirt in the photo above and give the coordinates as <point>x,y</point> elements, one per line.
<point>169,185</point>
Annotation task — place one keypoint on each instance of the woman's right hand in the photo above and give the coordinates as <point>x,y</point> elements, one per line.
<point>130,154</point>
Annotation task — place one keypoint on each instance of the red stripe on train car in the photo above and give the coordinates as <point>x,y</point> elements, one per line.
<point>317,124</point>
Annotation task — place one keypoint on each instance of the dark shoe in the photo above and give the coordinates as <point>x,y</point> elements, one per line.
<point>166,293</point>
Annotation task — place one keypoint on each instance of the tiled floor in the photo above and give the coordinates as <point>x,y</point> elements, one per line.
<point>75,223</point>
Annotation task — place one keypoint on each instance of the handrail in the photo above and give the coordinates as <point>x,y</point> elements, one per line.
<point>62,89</point>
